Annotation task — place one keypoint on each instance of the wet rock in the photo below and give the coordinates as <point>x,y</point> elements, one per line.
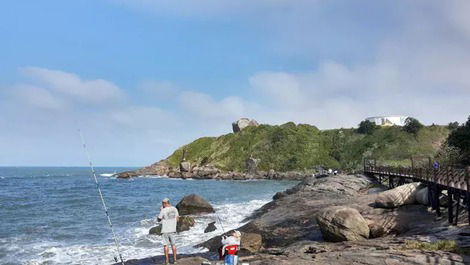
<point>156,230</point>
<point>401,195</point>
<point>194,204</point>
<point>184,224</point>
<point>340,223</point>
<point>210,228</point>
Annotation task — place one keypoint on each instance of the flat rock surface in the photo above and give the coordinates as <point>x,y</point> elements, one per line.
<point>290,233</point>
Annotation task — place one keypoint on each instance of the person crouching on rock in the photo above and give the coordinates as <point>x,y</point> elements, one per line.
<point>168,216</point>
<point>230,247</point>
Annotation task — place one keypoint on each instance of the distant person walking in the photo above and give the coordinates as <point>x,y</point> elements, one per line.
<point>168,216</point>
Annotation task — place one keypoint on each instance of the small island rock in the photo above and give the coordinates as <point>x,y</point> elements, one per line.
<point>194,204</point>
<point>210,228</point>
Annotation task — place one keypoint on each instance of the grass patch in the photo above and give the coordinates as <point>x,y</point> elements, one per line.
<point>442,245</point>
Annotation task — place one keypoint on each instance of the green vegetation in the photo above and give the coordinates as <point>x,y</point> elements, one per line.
<point>442,245</point>
<point>460,140</point>
<point>367,127</point>
<point>412,125</point>
<point>301,147</point>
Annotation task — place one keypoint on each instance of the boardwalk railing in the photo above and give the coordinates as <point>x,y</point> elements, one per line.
<point>455,180</point>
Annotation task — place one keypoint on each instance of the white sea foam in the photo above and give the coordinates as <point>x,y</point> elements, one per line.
<point>137,243</point>
<point>108,174</point>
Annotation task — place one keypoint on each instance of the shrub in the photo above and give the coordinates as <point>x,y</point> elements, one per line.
<point>460,139</point>
<point>412,125</point>
<point>367,127</point>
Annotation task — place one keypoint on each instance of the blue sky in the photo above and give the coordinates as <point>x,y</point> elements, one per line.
<point>142,77</point>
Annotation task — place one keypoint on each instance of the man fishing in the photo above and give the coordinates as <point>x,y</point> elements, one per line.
<point>168,216</point>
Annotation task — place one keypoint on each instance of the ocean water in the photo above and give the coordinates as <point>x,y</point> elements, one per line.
<point>54,215</point>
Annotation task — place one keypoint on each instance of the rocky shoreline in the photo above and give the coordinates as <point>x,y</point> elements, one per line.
<point>287,230</point>
<point>186,170</point>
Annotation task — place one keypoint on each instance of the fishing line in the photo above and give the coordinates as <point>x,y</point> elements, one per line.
<point>93,173</point>
<point>220,222</point>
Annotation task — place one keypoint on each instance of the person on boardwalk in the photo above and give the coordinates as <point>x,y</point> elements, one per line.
<point>168,216</point>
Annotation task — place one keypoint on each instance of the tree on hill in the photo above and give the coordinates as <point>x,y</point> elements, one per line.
<point>366,127</point>
<point>412,125</point>
<point>460,138</point>
<point>453,125</point>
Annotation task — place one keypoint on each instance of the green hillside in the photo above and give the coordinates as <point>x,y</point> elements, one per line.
<point>297,147</point>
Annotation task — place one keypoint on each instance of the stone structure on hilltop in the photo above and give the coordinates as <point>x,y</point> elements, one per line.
<point>242,123</point>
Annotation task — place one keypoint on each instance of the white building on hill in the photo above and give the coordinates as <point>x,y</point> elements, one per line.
<point>388,120</point>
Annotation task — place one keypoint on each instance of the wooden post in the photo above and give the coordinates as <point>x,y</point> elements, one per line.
<point>467,180</point>
<point>450,205</point>
<point>457,210</point>
<point>438,203</point>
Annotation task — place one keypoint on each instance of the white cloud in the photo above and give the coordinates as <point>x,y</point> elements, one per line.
<point>67,84</point>
<point>38,97</point>
<point>159,89</point>
<point>204,106</point>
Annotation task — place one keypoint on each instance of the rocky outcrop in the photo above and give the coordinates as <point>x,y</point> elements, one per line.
<point>251,166</point>
<point>187,170</point>
<point>242,123</point>
<point>401,195</point>
<point>340,223</point>
<point>290,234</point>
<point>251,243</point>
<point>185,166</point>
<point>194,204</point>
<point>184,224</point>
<point>161,168</point>
<point>210,228</point>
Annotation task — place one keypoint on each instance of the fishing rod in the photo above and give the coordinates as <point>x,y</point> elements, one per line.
<point>220,222</point>
<point>93,173</point>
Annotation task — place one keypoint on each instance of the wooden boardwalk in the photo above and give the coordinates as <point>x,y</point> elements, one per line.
<point>456,181</point>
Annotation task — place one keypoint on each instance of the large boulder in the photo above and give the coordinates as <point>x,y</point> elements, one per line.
<point>251,243</point>
<point>242,123</point>
<point>194,204</point>
<point>401,195</point>
<point>339,223</point>
<point>184,224</point>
